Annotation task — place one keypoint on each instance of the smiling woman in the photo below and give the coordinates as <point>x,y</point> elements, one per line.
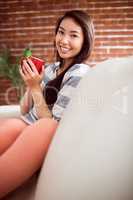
<point>47,96</point>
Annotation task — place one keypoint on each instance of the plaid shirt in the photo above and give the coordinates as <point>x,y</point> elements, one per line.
<point>70,81</point>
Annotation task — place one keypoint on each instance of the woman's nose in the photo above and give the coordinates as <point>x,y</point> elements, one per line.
<point>65,39</point>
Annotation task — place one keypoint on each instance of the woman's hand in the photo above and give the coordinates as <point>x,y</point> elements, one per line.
<point>30,75</point>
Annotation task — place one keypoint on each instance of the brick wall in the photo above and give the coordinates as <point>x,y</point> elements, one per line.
<point>24,22</point>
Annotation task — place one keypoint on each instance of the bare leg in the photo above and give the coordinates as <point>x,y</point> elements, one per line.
<point>9,131</point>
<point>25,155</point>
<point>2,120</point>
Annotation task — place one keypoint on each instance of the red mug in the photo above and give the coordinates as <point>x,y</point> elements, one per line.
<point>39,63</point>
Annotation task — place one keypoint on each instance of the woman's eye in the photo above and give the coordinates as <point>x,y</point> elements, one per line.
<point>74,36</point>
<point>60,32</point>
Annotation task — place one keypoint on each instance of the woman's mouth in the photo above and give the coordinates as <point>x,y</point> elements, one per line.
<point>64,49</point>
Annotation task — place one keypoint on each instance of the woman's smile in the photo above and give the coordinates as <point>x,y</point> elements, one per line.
<point>64,50</point>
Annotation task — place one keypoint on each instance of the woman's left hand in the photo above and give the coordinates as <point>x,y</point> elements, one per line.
<point>29,74</point>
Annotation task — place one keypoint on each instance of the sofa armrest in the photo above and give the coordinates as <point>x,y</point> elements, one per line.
<point>9,111</point>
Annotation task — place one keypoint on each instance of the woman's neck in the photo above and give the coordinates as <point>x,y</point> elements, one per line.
<point>64,65</point>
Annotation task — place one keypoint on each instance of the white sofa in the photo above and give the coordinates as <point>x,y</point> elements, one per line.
<point>9,111</point>
<point>90,157</point>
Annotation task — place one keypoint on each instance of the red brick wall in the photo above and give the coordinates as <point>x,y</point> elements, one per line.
<point>24,22</point>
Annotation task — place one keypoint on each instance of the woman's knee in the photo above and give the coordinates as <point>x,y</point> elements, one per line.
<point>2,121</point>
<point>47,123</point>
<point>13,124</point>
<point>40,132</point>
<point>44,128</point>
<point>10,129</point>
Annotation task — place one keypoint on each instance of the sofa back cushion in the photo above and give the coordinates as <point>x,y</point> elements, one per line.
<point>90,157</point>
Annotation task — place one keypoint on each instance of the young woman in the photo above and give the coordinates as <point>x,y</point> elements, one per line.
<point>24,142</point>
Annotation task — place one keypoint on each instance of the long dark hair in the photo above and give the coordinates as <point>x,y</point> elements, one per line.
<point>85,22</point>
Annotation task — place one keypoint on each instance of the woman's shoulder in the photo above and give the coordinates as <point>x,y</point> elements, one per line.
<point>78,70</point>
<point>52,66</point>
<point>76,73</point>
<point>50,69</point>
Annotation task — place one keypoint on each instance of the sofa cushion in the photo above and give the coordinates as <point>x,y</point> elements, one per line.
<point>9,111</point>
<point>90,156</point>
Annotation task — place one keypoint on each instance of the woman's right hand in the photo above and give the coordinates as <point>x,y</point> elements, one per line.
<point>30,75</point>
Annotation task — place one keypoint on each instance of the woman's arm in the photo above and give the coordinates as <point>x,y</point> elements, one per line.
<point>40,105</point>
<point>26,102</point>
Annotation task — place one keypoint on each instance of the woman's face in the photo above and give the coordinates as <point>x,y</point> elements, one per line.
<point>69,39</point>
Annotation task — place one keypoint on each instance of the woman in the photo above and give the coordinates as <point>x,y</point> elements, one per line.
<point>24,142</point>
